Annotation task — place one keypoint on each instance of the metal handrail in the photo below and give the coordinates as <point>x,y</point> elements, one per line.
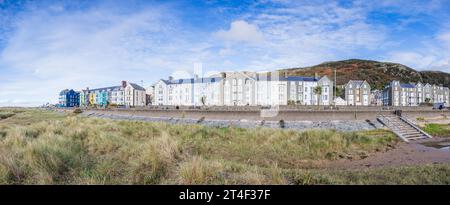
<point>389,122</point>
<point>395,126</point>
<point>414,126</point>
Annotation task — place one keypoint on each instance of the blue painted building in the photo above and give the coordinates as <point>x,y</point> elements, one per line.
<point>69,98</point>
<point>102,96</point>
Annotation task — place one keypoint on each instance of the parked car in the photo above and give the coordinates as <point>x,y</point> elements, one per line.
<point>439,106</point>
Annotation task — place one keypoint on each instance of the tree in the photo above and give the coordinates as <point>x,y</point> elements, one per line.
<point>291,102</point>
<point>339,91</point>
<point>318,91</point>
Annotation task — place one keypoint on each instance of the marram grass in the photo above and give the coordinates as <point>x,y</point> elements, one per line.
<point>42,147</point>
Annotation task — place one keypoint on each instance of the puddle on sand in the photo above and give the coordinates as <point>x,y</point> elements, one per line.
<point>444,145</point>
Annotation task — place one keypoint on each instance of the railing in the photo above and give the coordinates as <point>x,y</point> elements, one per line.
<point>392,126</point>
<point>415,127</point>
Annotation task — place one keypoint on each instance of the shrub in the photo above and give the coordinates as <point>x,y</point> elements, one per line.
<point>77,111</point>
<point>6,115</point>
<point>282,124</point>
<point>437,130</point>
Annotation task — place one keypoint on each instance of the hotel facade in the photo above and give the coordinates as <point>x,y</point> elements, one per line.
<point>256,89</point>
<point>414,94</point>
<point>244,88</point>
<point>357,92</point>
<point>126,94</point>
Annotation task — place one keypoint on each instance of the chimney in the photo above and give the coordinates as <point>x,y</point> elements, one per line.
<point>170,78</point>
<point>195,76</point>
<point>316,75</point>
<point>124,83</point>
<point>223,74</point>
<point>285,74</point>
<point>87,88</point>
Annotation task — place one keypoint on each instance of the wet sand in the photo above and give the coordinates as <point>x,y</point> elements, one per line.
<point>404,154</point>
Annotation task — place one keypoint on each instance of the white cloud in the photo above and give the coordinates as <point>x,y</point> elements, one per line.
<point>301,34</point>
<point>58,47</point>
<point>433,54</point>
<point>425,60</point>
<point>241,31</point>
<point>412,59</point>
<point>444,38</point>
<point>94,48</point>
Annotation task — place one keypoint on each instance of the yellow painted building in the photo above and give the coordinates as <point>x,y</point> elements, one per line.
<point>92,98</point>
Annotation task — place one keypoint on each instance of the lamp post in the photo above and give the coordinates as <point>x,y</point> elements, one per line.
<point>334,90</point>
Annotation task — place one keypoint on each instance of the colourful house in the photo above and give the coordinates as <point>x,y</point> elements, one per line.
<point>114,95</point>
<point>91,97</point>
<point>101,97</point>
<point>84,98</point>
<point>69,98</point>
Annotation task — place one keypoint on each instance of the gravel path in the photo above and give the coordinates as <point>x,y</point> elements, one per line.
<point>340,125</point>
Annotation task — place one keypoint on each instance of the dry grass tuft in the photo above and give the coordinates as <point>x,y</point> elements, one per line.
<point>41,147</point>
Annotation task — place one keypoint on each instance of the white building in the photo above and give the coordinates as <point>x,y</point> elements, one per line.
<point>410,94</point>
<point>340,102</point>
<point>244,88</point>
<point>150,95</point>
<point>188,92</point>
<point>117,96</point>
<point>446,96</point>
<point>357,92</point>
<point>301,90</point>
<point>134,94</point>
<point>376,97</point>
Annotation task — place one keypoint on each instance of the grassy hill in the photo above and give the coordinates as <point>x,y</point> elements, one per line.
<point>376,73</point>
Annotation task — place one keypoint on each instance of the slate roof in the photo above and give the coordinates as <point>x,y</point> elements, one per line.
<point>259,78</point>
<point>105,88</point>
<point>407,85</point>
<point>356,83</point>
<point>137,87</point>
<point>301,78</point>
<point>289,78</point>
<point>192,80</point>
<point>64,92</point>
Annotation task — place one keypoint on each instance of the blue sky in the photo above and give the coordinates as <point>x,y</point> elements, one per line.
<point>46,46</point>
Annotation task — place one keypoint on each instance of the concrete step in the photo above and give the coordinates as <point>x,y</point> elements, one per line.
<point>415,135</point>
<point>417,138</point>
<point>398,123</point>
<point>407,128</point>
<point>404,129</point>
<point>410,133</point>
